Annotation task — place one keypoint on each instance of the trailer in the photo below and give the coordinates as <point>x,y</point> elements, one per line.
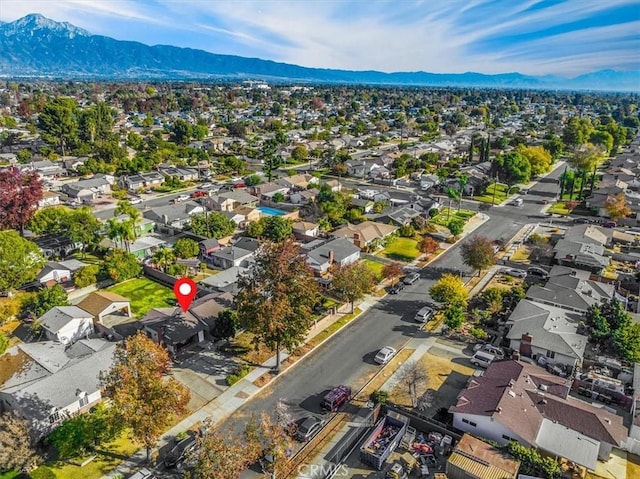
<point>383,440</point>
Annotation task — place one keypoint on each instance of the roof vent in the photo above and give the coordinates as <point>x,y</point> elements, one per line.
<point>607,420</point>
<point>512,394</point>
<point>543,387</point>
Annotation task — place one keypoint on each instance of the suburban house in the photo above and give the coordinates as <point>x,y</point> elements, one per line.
<point>587,234</point>
<point>303,197</point>
<point>571,291</point>
<point>133,183</point>
<point>66,324</point>
<point>402,216</point>
<point>175,215</point>
<point>106,308</point>
<point>207,247</point>
<point>365,234</point>
<point>59,271</point>
<point>546,333</point>
<point>475,459</point>
<point>46,169</point>
<point>298,182</point>
<point>266,191</point>
<point>142,227</point>
<point>589,256</point>
<point>515,401</point>
<point>234,255</point>
<point>230,200</point>
<point>321,255</point>
<point>47,382</point>
<point>49,198</point>
<point>305,229</point>
<point>87,190</point>
<point>181,172</point>
<point>224,281</point>
<point>56,245</point>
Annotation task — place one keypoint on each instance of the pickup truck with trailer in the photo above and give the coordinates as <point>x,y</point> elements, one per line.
<point>383,440</point>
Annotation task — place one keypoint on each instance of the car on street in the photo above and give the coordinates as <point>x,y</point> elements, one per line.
<point>495,350</point>
<point>199,194</point>
<point>581,221</point>
<point>609,224</point>
<point>396,288</point>
<point>135,200</point>
<point>425,314</point>
<point>385,355</point>
<point>181,198</point>
<point>309,428</point>
<point>411,278</point>
<point>206,185</point>
<point>537,272</point>
<point>516,273</point>
<point>178,453</point>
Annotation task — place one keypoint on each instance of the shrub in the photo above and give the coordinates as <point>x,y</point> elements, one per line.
<point>478,333</point>
<point>43,472</point>
<point>379,397</point>
<point>407,231</point>
<point>181,435</point>
<point>241,372</point>
<point>4,342</point>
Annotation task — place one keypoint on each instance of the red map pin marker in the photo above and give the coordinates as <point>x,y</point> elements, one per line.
<point>185,290</point>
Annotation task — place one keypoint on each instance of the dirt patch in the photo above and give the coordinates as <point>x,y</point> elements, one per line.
<point>242,347</point>
<point>383,375</point>
<point>442,374</point>
<point>504,281</point>
<point>633,466</point>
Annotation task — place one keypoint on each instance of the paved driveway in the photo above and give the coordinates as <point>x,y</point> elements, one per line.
<point>204,372</point>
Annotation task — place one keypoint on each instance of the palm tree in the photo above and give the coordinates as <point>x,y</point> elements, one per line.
<point>453,194</point>
<point>115,230</point>
<point>163,257</point>
<point>463,179</point>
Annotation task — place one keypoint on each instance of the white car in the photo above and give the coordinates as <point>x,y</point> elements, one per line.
<point>385,355</point>
<point>182,198</point>
<point>135,200</point>
<point>206,185</point>
<point>516,273</point>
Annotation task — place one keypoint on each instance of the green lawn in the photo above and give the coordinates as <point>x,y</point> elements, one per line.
<point>9,474</point>
<point>559,208</point>
<point>443,216</point>
<point>107,459</point>
<point>144,295</point>
<point>376,267</point>
<point>402,249</point>
<point>500,193</point>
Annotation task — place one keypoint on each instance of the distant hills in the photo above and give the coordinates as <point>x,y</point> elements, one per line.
<point>38,47</point>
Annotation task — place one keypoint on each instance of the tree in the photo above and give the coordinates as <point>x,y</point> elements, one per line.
<point>277,296</point>
<point>16,448</point>
<point>267,437</point>
<point>538,157</point>
<point>452,194</point>
<point>218,455</point>
<point>602,138</point>
<point>20,193</point>
<point>449,289</point>
<point>46,299</point>
<point>83,227</point>
<point>163,257</point>
<point>463,179</point>
<point>512,168</point>
<point>181,132</point>
<point>616,206</point>
<point>477,253</point>
<point>226,324</point>
<point>428,245</point>
<point>274,228</point>
<point>86,275</point>
<point>20,260</point>
<point>59,123</point>
<point>120,265</point>
<point>493,299</point>
<point>454,316</point>
<point>351,282</point>
<point>539,246</point>
<point>186,248</point>
<point>456,226</point>
<point>413,378</point>
<point>586,158</point>
<point>212,224</point>
<point>52,220</point>
<point>145,398</point>
<point>626,339</point>
<point>300,153</point>
<point>392,270</point>
<point>577,131</point>
<point>600,328</point>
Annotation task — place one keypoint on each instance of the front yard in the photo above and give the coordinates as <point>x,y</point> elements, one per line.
<point>559,208</point>
<point>401,249</point>
<point>376,267</point>
<point>495,192</point>
<point>444,216</point>
<point>144,295</point>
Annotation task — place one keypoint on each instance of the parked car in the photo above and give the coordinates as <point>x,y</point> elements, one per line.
<point>206,185</point>
<point>516,273</point>
<point>199,194</point>
<point>581,221</point>
<point>135,200</point>
<point>385,355</point>
<point>411,278</point>
<point>334,399</point>
<point>489,348</point>
<point>309,428</point>
<point>396,288</point>
<point>482,359</point>
<point>181,198</point>
<point>538,272</point>
<point>609,224</point>
<point>425,314</point>
<point>178,453</point>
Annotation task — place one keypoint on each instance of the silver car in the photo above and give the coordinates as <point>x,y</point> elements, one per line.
<point>385,355</point>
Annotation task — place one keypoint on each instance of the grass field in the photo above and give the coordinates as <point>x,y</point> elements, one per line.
<point>559,208</point>
<point>144,295</point>
<point>488,196</point>
<point>402,249</point>
<point>444,216</point>
<point>375,267</point>
<point>9,474</point>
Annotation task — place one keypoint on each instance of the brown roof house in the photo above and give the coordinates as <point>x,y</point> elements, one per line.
<point>107,309</point>
<point>365,234</point>
<point>475,459</point>
<point>516,401</point>
<point>176,329</point>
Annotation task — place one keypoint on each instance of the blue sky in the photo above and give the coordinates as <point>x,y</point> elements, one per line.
<point>538,37</point>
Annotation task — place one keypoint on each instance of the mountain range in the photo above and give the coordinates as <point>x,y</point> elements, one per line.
<point>37,47</point>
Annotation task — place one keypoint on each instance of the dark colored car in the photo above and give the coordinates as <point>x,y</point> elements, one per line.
<point>396,288</point>
<point>609,224</point>
<point>178,453</point>
<point>309,428</point>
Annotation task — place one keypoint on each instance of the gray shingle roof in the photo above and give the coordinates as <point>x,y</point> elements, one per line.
<point>59,316</point>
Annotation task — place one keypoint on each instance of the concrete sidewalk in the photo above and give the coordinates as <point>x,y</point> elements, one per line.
<point>241,392</point>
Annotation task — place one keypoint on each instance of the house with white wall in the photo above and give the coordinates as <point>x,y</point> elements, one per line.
<point>66,324</point>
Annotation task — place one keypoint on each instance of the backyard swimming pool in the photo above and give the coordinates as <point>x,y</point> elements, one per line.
<point>271,211</point>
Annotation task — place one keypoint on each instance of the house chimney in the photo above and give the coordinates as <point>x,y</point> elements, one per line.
<point>330,257</point>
